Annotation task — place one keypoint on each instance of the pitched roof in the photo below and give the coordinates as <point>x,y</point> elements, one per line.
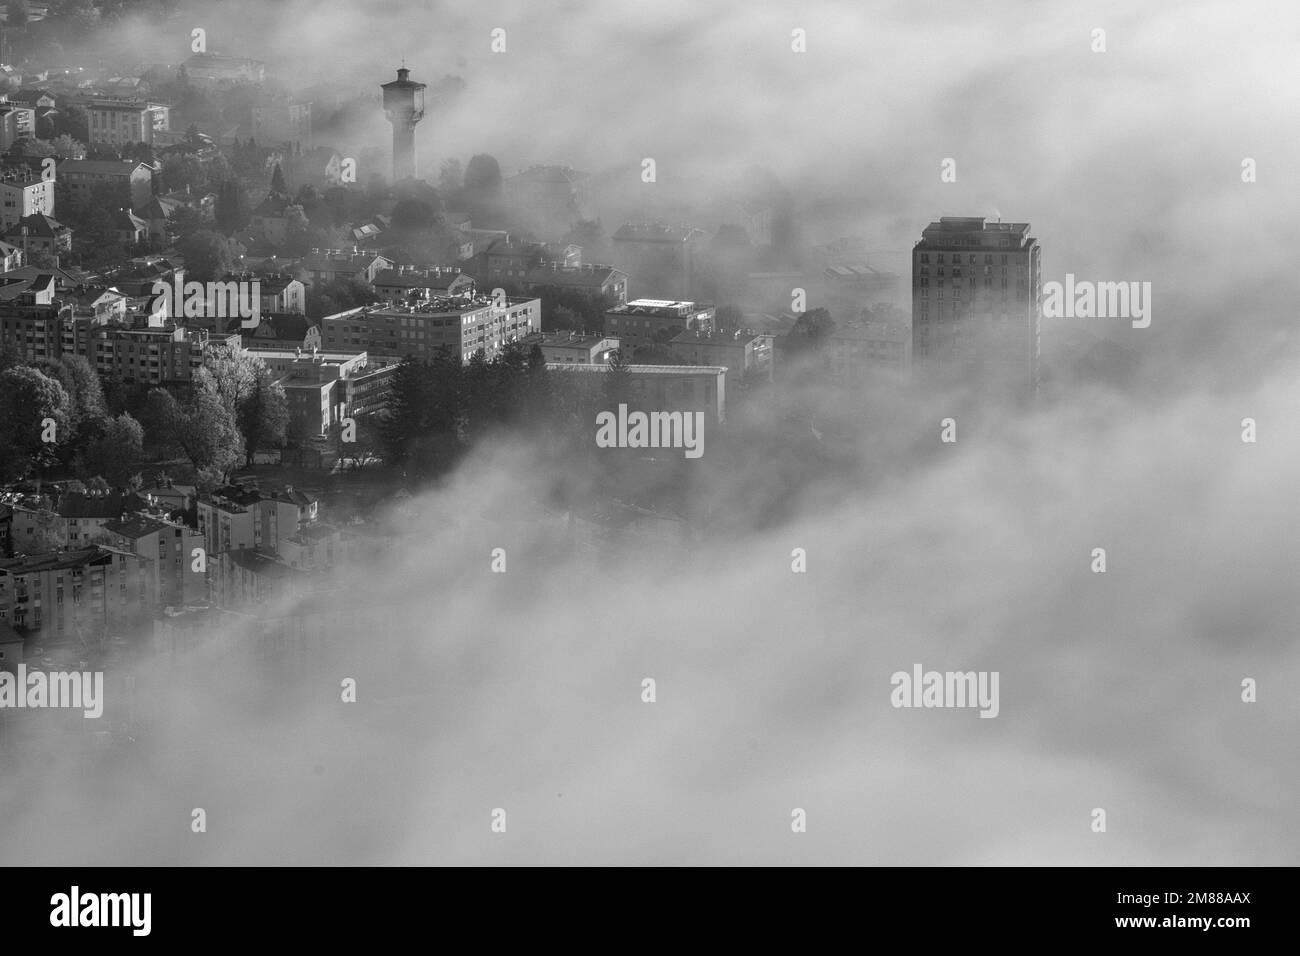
<point>582,278</point>
<point>135,526</point>
<point>128,221</point>
<point>38,224</point>
<point>109,167</point>
<point>273,205</point>
<point>286,326</point>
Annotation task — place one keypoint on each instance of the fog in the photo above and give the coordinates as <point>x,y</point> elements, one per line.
<point>522,690</point>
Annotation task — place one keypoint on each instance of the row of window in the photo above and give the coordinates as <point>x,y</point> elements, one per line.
<point>972,258</point>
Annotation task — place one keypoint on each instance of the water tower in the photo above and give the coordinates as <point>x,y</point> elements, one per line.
<point>404,106</point>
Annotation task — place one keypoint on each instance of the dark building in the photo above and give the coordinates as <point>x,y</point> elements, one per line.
<point>976,294</point>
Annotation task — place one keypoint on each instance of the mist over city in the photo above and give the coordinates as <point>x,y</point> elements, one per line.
<point>365,579</point>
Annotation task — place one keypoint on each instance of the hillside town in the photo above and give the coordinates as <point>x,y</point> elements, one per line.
<point>234,342</point>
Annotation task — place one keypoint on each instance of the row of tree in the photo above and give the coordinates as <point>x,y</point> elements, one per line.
<point>55,414</point>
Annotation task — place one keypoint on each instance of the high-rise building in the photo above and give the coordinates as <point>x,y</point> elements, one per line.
<point>976,294</point>
<point>404,106</point>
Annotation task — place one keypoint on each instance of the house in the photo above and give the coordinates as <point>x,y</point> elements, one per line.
<point>120,122</point>
<point>251,577</point>
<point>39,233</point>
<point>648,321</point>
<point>276,292</point>
<point>78,176</point>
<point>406,284</point>
<point>332,265</point>
<point>169,550</point>
<point>269,218</point>
<point>24,193</point>
<point>131,230</point>
<point>84,514</point>
<point>158,212</point>
<point>33,98</point>
<point>16,122</point>
<point>506,258</point>
<point>280,330</point>
<point>564,348</point>
<point>741,353</point>
<point>11,257</point>
<point>76,592</point>
<point>237,517</point>
<point>603,285</point>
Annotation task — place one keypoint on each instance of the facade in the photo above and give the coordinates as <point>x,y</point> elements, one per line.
<point>39,233</point>
<point>322,388</point>
<point>119,122</point>
<point>75,593</point>
<point>16,122</point>
<point>567,348</point>
<point>24,193</point>
<point>696,388</point>
<point>167,548</point>
<point>859,351</point>
<point>741,353</point>
<point>78,176</point>
<point>461,326</point>
<point>405,285</point>
<point>976,303</point>
<point>647,321</point>
<point>331,265</point>
<point>240,517</point>
<point>659,258</point>
<point>603,284</point>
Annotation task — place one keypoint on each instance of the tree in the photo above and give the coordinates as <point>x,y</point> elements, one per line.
<point>73,121</point>
<point>87,408</point>
<point>366,440</point>
<point>246,385</point>
<point>451,179</point>
<point>277,181</point>
<point>31,148</point>
<point>115,455</point>
<point>67,147</point>
<point>207,254</point>
<point>231,210</point>
<point>263,417</point>
<point>183,171</point>
<point>203,427</point>
<point>185,222</point>
<point>33,408</point>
